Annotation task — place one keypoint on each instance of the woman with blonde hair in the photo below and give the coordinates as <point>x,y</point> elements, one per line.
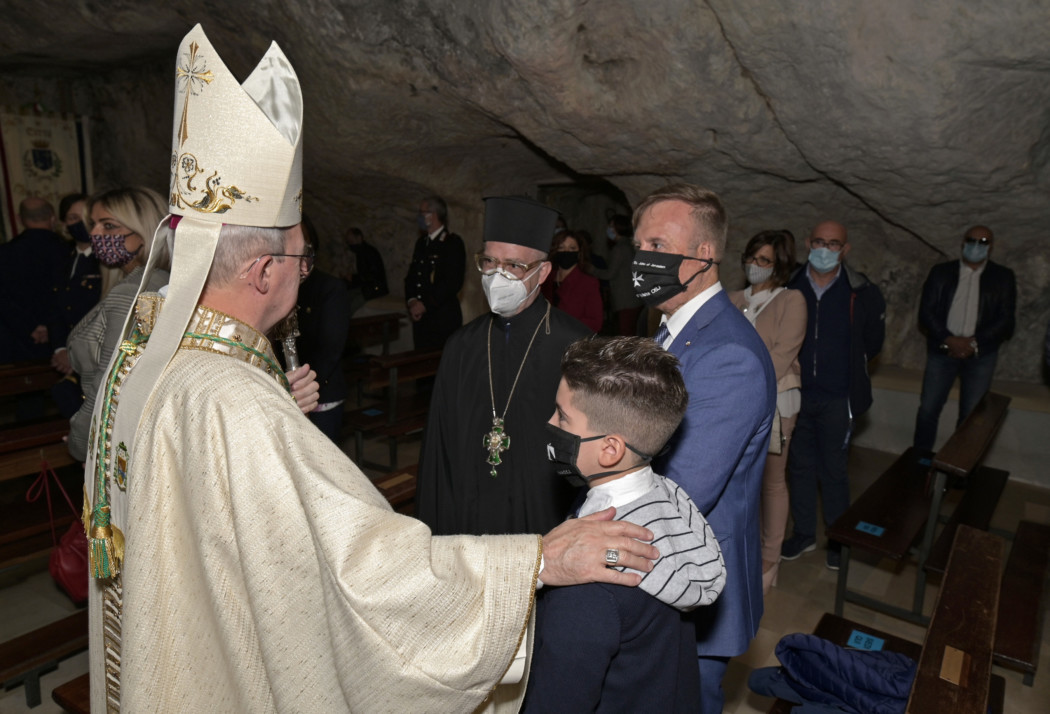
<point>122,223</point>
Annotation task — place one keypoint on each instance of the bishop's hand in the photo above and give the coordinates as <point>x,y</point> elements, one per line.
<point>303,383</point>
<point>576,551</point>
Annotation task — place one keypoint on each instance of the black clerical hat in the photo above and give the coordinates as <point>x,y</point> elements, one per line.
<point>519,220</point>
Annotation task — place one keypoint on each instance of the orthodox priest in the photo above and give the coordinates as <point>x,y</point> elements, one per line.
<point>240,561</point>
<point>483,466</point>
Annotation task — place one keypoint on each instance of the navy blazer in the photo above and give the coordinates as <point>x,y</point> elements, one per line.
<point>718,454</point>
<point>609,648</point>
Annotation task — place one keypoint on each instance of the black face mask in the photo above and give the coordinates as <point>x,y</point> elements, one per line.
<point>655,275</point>
<point>563,449</point>
<point>79,232</point>
<point>566,259</point>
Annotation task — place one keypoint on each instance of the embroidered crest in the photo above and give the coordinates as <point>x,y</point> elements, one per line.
<point>121,470</point>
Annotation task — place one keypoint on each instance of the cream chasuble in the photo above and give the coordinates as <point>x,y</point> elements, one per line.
<point>264,573</point>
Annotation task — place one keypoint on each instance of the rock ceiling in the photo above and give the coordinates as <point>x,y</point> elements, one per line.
<point>907,121</point>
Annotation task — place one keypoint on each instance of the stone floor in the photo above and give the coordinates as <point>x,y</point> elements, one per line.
<point>804,592</point>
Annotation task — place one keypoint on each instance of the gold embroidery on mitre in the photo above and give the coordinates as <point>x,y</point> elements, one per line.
<point>212,197</point>
<point>193,74</point>
<point>299,201</point>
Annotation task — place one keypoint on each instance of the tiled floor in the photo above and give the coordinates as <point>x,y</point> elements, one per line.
<point>804,592</point>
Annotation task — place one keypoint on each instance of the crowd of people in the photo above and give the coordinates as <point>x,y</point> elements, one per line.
<point>241,561</point>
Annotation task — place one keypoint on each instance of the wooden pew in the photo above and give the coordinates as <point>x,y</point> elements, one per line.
<point>954,663</point>
<point>898,515</point>
<point>74,696</point>
<point>24,377</point>
<point>1021,609</point>
<point>955,668</point>
<point>399,488</point>
<point>399,415</point>
<point>370,329</point>
<point>25,658</point>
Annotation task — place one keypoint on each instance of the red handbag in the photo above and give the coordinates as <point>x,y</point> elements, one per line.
<point>69,557</point>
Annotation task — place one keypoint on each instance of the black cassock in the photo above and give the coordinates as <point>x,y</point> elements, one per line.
<point>456,492</point>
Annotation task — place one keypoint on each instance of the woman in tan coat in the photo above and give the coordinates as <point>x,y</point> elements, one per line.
<point>779,316</point>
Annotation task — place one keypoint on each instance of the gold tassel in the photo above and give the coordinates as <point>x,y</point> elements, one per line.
<point>105,547</point>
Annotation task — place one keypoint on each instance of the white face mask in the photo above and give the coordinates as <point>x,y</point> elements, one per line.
<point>505,295</point>
<point>757,275</point>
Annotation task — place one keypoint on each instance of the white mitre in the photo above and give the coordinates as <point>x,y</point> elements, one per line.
<point>236,158</point>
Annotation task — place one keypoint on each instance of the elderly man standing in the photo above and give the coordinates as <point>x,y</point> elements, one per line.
<point>846,327</point>
<point>966,312</point>
<point>483,465</point>
<point>719,452</point>
<point>435,277</point>
<point>241,562</point>
<point>28,264</point>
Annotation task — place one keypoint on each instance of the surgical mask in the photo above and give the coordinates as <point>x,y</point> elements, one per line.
<point>79,232</point>
<point>506,295</point>
<point>610,233</point>
<point>567,259</point>
<point>655,275</point>
<point>563,450</point>
<point>110,249</point>
<point>422,223</point>
<point>823,260</point>
<point>757,275</point>
<point>975,252</point>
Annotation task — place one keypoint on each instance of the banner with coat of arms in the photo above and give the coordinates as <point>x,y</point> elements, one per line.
<point>41,157</point>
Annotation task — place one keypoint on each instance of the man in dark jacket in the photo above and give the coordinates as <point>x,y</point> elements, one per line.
<point>846,327</point>
<point>966,312</point>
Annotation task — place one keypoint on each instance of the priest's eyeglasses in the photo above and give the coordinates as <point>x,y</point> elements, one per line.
<point>487,265</point>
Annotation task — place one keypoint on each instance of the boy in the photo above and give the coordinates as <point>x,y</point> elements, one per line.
<point>609,648</point>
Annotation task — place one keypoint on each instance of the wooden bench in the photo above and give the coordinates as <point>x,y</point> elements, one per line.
<point>24,446</point>
<point>25,531</point>
<point>74,696</point>
<point>955,668</point>
<point>961,654</point>
<point>370,329</point>
<point>25,658</point>
<point>399,488</point>
<point>400,415</point>
<point>898,515</point>
<point>25,377</point>
<point>1020,628</point>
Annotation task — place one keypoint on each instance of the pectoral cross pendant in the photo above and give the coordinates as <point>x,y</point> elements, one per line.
<point>496,442</point>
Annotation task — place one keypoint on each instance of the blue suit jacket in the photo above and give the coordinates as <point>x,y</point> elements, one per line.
<point>718,454</point>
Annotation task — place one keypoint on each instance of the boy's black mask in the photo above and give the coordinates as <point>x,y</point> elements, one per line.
<point>564,448</point>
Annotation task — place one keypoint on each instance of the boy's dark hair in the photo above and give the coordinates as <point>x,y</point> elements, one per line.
<point>628,386</point>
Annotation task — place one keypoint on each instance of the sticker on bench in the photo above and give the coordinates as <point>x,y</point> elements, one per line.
<point>865,527</point>
<point>862,641</point>
<point>372,412</point>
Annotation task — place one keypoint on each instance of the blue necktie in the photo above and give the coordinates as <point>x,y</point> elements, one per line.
<point>661,334</point>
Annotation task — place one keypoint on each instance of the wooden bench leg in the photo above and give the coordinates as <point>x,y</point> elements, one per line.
<point>927,542</point>
<point>840,587</point>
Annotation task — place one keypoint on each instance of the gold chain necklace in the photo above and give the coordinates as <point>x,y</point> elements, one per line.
<point>497,441</point>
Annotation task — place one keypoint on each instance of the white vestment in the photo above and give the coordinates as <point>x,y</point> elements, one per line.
<point>263,572</point>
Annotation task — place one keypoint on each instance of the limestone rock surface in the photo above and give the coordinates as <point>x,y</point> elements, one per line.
<point>907,121</point>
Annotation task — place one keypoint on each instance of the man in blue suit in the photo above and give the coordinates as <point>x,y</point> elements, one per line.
<point>719,452</point>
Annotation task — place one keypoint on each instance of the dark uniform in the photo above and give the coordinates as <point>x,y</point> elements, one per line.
<point>435,278</point>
